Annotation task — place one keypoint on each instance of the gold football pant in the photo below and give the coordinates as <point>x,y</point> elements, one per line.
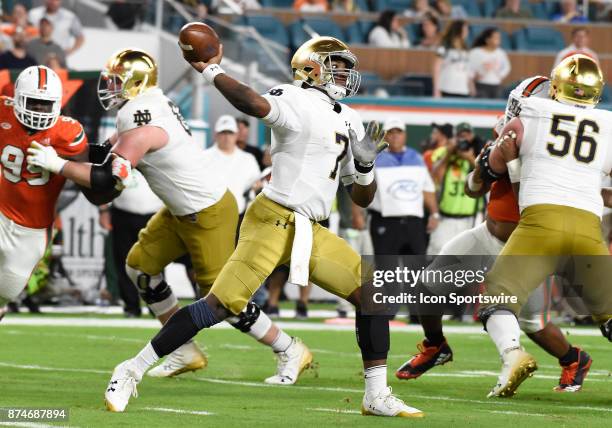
<point>208,236</point>
<point>539,246</point>
<point>266,238</point>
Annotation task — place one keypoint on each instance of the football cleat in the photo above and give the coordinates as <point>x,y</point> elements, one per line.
<point>291,363</point>
<point>3,311</point>
<point>387,404</point>
<point>121,387</point>
<point>517,366</point>
<point>427,358</point>
<point>573,374</point>
<point>187,358</point>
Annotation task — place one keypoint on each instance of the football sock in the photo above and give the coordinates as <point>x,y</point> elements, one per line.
<point>178,330</point>
<point>504,329</point>
<point>434,339</point>
<point>282,342</point>
<point>375,380</point>
<point>570,357</point>
<point>145,359</point>
<point>372,336</point>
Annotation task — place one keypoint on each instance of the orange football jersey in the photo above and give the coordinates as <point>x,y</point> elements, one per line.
<point>28,194</point>
<point>503,205</point>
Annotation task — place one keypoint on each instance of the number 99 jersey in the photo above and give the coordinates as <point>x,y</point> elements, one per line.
<point>565,152</point>
<point>310,149</point>
<point>28,194</point>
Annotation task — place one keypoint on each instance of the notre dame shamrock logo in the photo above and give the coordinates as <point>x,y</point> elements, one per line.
<point>142,117</point>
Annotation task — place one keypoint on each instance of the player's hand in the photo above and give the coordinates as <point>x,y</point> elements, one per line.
<point>507,146</point>
<point>122,171</point>
<point>45,157</point>
<point>199,66</point>
<point>366,149</point>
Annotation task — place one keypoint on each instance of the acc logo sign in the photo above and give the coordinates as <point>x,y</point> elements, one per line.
<point>404,190</point>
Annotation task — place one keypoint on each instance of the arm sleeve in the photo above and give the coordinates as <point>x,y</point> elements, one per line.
<point>283,109</point>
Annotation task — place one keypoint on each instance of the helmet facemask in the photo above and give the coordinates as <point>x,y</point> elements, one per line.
<point>339,83</point>
<point>110,90</point>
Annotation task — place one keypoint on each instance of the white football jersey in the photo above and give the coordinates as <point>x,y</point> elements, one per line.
<point>178,172</point>
<point>310,149</point>
<point>565,152</point>
<point>536,86</point>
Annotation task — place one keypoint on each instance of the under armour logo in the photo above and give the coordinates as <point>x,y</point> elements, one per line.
<point>278,223</point>
<point>142,118</point>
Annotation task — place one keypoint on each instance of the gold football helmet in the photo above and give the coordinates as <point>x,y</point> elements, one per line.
<point>312,64</point>
<point>127,73</point>
<point>577,80</point>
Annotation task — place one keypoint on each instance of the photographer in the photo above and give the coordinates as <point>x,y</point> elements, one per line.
<point>451,166</point>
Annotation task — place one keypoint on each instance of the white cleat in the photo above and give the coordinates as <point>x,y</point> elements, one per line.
<point>291,363</point>
<point>387,404</point>
<point>187,358</point>
<point>121,387</point>
<point>517,366</point>
<point>3,311</point>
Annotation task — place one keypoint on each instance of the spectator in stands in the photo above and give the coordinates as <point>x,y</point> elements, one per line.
<point>405,189</point>
<point>451,166</point>
<point>489,64</point>
<point>311,5</point>
<point>513,9</point>
<point>419,9</point>
<point>17,57</point>
<point>446,9</point>
<point>580,44</point>
<point>569,13</point>
<point>429,32</point>
<point>68,31</point>
<point>439,137</point>
<point>451,71</point>
<point>199,7</point>
<point>388,32</point>
<point>345,6</point>
<point>243,141</point>
<point>124,15</point>
<point>19,19</point>
<point>235,7</point>
<point>43,47</point>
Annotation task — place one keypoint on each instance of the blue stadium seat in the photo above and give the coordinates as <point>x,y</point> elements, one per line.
<point>544,39</point>
<point>283,4</point>
<point>470,6</point>
<point>322,26</point>
<point>370,82</point>
<point>396,5</point>
<point>489,7</point>
<point>540,11</point>
<point>269,27</point>
<point>412,85</point>
<point>413,33</point>
<point>357,32</point>
<point>363,5</point>
<point>476,29</point>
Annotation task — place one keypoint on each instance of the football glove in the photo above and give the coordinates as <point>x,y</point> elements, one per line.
<point>122,172</point>
<point>366,149</point>
<point>45,157</point>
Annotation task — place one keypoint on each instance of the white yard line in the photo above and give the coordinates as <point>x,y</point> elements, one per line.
<point>30,425</point>
<point>343,411</point>
<point>180,411</point>
<point>510,412</point>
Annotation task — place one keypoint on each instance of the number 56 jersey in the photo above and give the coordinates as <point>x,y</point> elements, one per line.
<point>565,153</point>
<point>310,149</point>
<point>28,194</point>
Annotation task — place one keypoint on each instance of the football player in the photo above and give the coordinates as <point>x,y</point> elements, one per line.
<point>563,153</point>
<point>200,215</point>
<point>317,142</point>
<point>28,194</point>
<point>488,239</point>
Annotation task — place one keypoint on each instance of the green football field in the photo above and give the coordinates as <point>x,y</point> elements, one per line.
<point>59,366</point>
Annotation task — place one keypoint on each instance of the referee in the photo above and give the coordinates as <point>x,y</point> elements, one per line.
<point>405,187</point>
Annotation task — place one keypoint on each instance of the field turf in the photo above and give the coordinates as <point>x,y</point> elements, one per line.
<point>43,366</point>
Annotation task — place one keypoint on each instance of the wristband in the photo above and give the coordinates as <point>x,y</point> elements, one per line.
<point>471,185</point>
<point>211,72</point>
<point>364,179</point>
<point>514,170</point>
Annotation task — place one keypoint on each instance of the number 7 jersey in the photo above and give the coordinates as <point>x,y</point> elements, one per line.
<point>310,149</point>
<point>565,152</point>
<point>28,194</point>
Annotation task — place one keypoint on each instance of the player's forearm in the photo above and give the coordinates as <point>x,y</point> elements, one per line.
<point>363,195</point>
<point>78,172</point>
<point>483,190</point>
<point>242,97</point>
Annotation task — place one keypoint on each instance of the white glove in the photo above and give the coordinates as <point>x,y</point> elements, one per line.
<point>122,171</point>
<point>45,157</point>
<point>366,150</point>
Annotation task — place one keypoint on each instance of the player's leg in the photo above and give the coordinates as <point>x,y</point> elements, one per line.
<point>336,267</point>
<point>534,320</point>
<point>21,249</point>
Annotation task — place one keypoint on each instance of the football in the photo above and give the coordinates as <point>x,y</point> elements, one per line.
<point>198,41</point>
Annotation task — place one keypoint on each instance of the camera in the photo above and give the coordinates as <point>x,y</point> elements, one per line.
<point>464,145</point>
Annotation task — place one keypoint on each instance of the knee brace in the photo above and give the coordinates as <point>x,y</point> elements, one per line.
<point>372,336</point>
<point>156,293</point>
<point>252,321</point>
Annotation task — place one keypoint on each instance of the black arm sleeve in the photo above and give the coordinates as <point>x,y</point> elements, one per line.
<point>99,152</point>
